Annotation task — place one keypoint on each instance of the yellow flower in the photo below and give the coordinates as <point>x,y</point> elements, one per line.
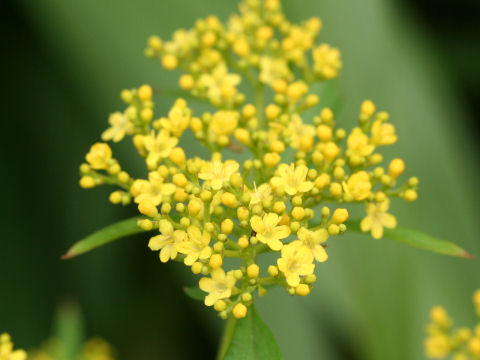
<point>216,172</point>
<point>358,185</point>
<point>293,180</point>
<point>296,261</point>
<point>272,69</point>
<point>159,146</point>
<point>261,193</point>
<point>218,286</point>
<point>267,230</point>
<point>99,156</point>
<point>183,41</point>
<point>383,134</point>
<point>196,245</point>
<point>298,130</point>
<point>219,78</point>
<point>224,122</point>
<point>314,240</point>
<point>437,346</point>
<point>155,189</point>
<point>97,349</point>
<point>178,119</point>
<point>120,126</point>
<point>167,242</point>
<point>326,61</point>
<point>377,218</point>
<point>6,349</point>
<point>358,143</point>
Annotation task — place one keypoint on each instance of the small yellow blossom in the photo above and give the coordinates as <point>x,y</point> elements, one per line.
<point>358,143</point>
<point>292,180</point>
<point>260,193</point>
<point>218,286</point>
<point>272,69</point>
<point>358,185</point>
<point>99,156</point>
<point>178,119</point>
<point>196,245</point>
<point>296,261</point>
<point>377,218</point>
<point>155,189</point>
<point>120,125</point>
<point>299,130</point>
<point>327,61</point>
<point>383,134</point>
<point>6,349</point>
<point>224,122</point>
<point>268,231</point>
<point>216,172</point>
<point>159,146</point>
<point>314,240</point>
<point>437,346</point>
<point>167,242</point>
<point>219,78</point>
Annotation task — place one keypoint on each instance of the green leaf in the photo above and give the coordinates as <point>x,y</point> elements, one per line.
<point>104,236</point>
<point>248,339</point>
<point>416,239</point>
<point>194,292</point>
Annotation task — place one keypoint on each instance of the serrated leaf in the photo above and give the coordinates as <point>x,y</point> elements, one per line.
<point>194,292</point>
<point>104,236</point>
<point>249,339</point>
<point>416,239</point>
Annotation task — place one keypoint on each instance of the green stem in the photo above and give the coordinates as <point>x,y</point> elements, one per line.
<point>260,104</point>
<point>226,337</point>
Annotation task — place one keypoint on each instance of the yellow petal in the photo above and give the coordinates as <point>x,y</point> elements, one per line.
<point>389,221</point>
<point>305,186</point>
<point>377,230</point>
<point>366,223</point>
<point>281,232</point>
<point>156,242</point>
<point>320,254</point>
<point>274,244</point>
<point>210,299</point>
<point>271,220</point>
<point>257,224</point>
<point>165,227</point>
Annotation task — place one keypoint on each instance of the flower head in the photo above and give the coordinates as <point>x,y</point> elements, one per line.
<point>268,231</point>
<point>358,143</point>
<point>377,218</point>
<point>216,172</point>
<point>159,146</point>
<point>196,245</point>
<point>383,134</point>
<point>358,185</point>
<point>296,261</point>
<point>218,286</point>
<point>167,241</point>
<point>99,156</point>
<point>314,240</point>
<point>292,179</point>
<point>155,189</point>
<point>120,125</point>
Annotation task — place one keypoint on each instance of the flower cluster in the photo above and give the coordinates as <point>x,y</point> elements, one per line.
<point>443,341</point>
<point>274,199</point>
<point>6,349</point>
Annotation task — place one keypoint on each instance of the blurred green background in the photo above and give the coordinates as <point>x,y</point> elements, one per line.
<point>64,63</point>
